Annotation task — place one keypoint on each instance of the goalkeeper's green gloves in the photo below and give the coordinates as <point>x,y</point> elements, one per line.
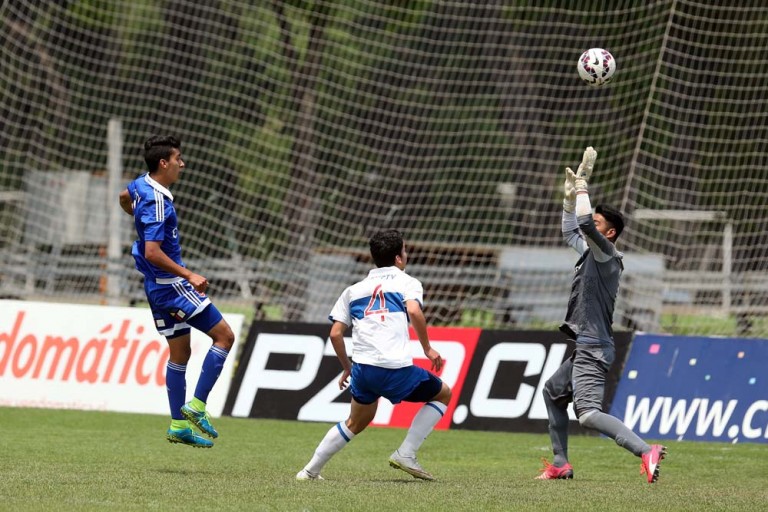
<point>569,191</point>
<point>585,169</point>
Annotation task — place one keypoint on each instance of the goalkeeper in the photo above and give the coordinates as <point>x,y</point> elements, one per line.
<point>581,378</point>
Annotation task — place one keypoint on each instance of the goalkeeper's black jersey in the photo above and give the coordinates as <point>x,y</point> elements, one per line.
<point>594,289</point>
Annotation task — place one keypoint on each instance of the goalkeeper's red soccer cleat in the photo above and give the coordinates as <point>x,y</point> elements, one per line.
<point>651,462</point>
<point>550,472</point>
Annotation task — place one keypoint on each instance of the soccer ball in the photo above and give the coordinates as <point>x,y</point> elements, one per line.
<point>596,66</point>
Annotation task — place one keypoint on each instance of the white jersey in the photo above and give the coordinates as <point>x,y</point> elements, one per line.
<point>375,308</point>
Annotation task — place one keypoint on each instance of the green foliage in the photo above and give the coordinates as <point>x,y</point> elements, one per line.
<point>91,461</point>
<point>705,325</point>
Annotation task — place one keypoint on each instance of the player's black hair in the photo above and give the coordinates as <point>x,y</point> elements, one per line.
<point>612,216</point>
<point>386,246</point>
<point>159,147</point>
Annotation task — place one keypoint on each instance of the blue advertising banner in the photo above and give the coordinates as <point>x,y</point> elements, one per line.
<point>695,388</point>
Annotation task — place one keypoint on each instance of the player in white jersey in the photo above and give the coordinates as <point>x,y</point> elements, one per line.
<point>176,295</point>
<point>379,308</point>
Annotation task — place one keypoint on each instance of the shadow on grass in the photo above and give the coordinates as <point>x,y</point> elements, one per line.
<point>181,471</point>
<point>395,480</point>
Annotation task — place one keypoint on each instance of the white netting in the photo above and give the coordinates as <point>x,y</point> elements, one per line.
<point>306,126</point>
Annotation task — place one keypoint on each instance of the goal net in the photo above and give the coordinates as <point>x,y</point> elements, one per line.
<point>307,126</point>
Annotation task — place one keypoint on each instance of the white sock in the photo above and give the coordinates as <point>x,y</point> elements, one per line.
<point>423,423</point>
<point>337,438</point>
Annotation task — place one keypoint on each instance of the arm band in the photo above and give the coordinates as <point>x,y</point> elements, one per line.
<point>583,206</point>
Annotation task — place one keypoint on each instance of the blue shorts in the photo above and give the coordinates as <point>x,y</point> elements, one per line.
<point>410,384</point>
<point>177,306</point>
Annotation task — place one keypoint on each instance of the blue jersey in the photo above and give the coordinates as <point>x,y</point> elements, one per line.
<point>155,220</point>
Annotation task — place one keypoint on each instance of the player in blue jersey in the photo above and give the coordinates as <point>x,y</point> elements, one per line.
<point>588,321</point>
<point>378,308</point>
<point>175,294</point>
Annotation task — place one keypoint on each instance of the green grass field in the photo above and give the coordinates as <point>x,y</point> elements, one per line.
<point>73,460</point>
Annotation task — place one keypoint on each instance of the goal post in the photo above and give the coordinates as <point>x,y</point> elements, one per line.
<point>692,220</point>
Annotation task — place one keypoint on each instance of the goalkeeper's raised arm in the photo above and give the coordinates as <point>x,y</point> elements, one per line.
<point>574,182</point>
<point>601,229</point>
<point>581,229</point>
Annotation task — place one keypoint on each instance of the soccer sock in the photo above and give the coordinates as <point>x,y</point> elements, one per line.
<point>176,384</point>
<point>423,423</point>
<point>179,424</point>
<point>212,365</point>
<point>558,431</point>
<point>337,438</point>
<point>197,405</point>
<point>616,430</point>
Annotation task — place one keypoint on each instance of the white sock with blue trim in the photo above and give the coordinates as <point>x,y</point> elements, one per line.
<point>337,438</point>
<point>423,423</point>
